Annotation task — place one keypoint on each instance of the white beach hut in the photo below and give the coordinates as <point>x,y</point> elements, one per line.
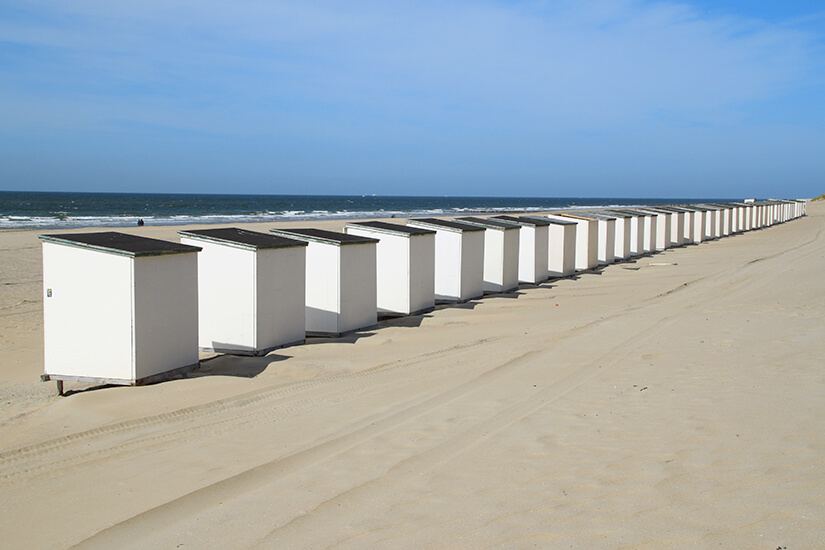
<point>561,245</point>
<point>607,236</point>
<point>718,220</point>
<point>118,308</point>
<point>587,241</point>
<point>405,263</point>
<point>745,216</point>
<point>340,280</point>
<point>696,225</point>
<point>459,258</point>
<point>787,214</point>
<point>663,224</point>
<point>726,219</point>
<point>764,213</point>
<point>672,224</point>
<point>738,217</point>
<point>741,216</point>
<point>754,213</point>
<point>501,253</point>
<point>767,215</point>
<point>648,224</point>
<point>624,233</point>
<point>711,222</point>
<point>734,218</point>
<point>634,229</point>
<point>689,222</point>
<point>250,290</point>
<point>782,214</point>
<point>677,224</point>
<point>533,266</point>
<point>801,207</point>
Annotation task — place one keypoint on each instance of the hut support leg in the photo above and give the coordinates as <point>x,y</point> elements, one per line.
<point>59,387</point>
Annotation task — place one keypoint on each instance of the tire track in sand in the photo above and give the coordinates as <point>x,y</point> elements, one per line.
<point>41,451</point>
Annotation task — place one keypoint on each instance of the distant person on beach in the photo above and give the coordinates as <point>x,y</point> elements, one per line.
<point>140,222</point>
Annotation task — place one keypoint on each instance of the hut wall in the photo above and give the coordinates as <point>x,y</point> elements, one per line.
<point>511,258</point>
<point>532,254</point>
<point>281,291</point>
<point>569,250</point>
<point>357,291</point>
<point>322,288</point>
<point>493,260</point>
<point>165,313</point>
<point>89,313</point>
<point>623,236</point>
<point>663,231</point>
<point>472,265</point>
<point>392,269</point>
<point>677,229</point>
<point>226,296</point>
<point>710,223</point>
<point>422,272</point>
<point>607,241</point>
<point>587,243</point>
<point>448,261</point>
<point>636,236</point>
<point>698,234</point>
<point>690,222</point>
<point>652,230</point>
<point>562,242</point>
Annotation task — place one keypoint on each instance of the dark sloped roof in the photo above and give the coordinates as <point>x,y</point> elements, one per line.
<point>556,221</point>
<point>675,208</point>
<point>251,239</point>
<point>488,223</point>
<point>446,224</point>
<point>694,208</point>
<point>120,243</point>
<point>322,235</point>
<point>525,220</point>
<point>596,216</point>
<point>392,227</point>
<point>632,211</point>
<point>615,213</point>
<point>578,215</point>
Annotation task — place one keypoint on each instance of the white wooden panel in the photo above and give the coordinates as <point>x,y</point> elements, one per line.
<point>281,294</point>
<point>472,264</point>
<point>623,235</point>
<point>226,296</point>
<point>358,290</point>
<point>422,272</point>
<point>392,256</point>
<point>448,262</point>
<point>166,313</point>
<point>322,288</point>
<point>87,320</point>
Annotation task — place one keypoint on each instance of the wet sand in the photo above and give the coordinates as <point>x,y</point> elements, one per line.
<point>639,406</point>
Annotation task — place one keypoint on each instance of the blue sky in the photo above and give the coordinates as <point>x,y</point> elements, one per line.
<point>560,98</point>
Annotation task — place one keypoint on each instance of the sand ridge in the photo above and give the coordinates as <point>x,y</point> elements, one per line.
<point>673,405</point>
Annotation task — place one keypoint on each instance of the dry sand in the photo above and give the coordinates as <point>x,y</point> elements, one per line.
<point>641,406</point>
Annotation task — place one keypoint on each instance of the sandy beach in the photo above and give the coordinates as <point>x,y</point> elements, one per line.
<point>671,402</point>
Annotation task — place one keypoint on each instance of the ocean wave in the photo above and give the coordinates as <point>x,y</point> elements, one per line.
<point>63,221</point>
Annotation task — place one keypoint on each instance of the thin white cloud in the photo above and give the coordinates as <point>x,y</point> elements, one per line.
<point>587,61</point>
<point>500,76</point>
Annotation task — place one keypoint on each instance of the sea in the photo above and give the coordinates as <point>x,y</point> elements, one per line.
<point>63,210</point>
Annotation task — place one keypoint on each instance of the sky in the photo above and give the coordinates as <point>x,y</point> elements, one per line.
<point>586,98</point>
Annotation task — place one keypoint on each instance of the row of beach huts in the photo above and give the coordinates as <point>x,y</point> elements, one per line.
<point>126,309</point>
